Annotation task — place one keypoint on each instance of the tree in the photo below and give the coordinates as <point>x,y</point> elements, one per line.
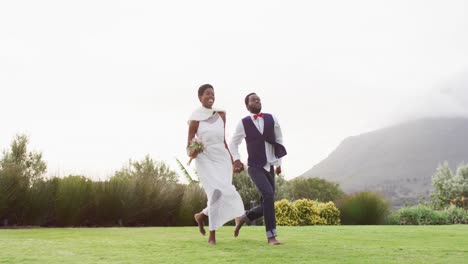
<point>19,170</point>
<point>313,189</point>
<point>30,164</point>
<point>153,192</point>
<point>449,187</point>
<point>148,169</point>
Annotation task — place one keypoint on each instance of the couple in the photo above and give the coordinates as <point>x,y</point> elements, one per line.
<point>215,163</point>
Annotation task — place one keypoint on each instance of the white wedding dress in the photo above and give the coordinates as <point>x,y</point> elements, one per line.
<point>214,168</point>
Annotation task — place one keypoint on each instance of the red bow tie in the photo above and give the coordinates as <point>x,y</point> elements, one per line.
<point>258,115</point>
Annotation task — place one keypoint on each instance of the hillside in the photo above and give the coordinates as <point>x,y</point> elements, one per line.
<point>398,161</point>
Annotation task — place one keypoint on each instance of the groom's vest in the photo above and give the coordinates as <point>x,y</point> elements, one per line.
<point>255,141</point>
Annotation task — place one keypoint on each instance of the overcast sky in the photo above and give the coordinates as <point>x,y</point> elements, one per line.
<point>95,83</point>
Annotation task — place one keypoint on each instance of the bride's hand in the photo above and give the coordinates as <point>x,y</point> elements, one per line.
<point>193,154</point>
<point>238,166</point>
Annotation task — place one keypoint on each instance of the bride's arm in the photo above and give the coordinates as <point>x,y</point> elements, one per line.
<point>223,116</point>
<point>193,127</point>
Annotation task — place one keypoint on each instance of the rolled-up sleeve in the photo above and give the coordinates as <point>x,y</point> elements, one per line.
<point>236,140</point>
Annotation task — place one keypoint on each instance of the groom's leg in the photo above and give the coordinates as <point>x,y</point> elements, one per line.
<point>254,213</point>
<point>265,184</point>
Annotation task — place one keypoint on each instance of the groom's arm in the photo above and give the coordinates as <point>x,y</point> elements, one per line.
<point>278,139</point>
<point>278,132</point>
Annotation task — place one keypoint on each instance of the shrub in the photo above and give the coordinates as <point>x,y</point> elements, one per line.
<point>193,201</point>
<point>365,208</point>
<point>457,215</point>
<point>73,199</point>
<point>308,212</point>
<point>286,213</point>
<point>421,215</point>
<point>424,215</point>
<point>42,202</point>
<point>329,214</point>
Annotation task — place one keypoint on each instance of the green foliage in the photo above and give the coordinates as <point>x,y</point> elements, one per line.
<point>329,213</point>
<point>148,169</point>
<point>109,201</point>
<point>365,208</point>
<point>19,170</point>
<point>308,212</point>
<point>246,188</point>
<point>29,164</point>
<point>249,193</point>
<point>286,213</point>
<point>143,193</point>
<point>425,215</point>
<point>42,202</point>
<point>313,189</point>
<point>193,201</point>
<point>449,187</point>
<point>185,173</point>
<point>152,195</point>
<point>72,199</point>
<point>281,188</point>
<point>457,215</point>
<point>13,190</point>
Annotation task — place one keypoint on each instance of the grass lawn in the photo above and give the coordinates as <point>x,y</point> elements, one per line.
<point>314,244</point>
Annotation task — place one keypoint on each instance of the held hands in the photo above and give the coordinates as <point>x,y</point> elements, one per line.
<point>278,170</point>
<point>238,166</point>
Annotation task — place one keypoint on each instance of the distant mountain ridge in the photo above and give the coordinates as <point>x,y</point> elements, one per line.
<point>398,161</point>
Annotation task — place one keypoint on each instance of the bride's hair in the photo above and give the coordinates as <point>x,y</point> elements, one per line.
<point>202,89</point>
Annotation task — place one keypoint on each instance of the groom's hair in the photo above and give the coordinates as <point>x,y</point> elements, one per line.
<point>247,98</point>
<point>202,89</point>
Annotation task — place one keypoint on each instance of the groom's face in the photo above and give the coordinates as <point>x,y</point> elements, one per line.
<point>255,105</point>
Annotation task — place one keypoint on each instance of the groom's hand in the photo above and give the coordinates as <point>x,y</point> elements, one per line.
<point>238,166</point>
<point>278,170</point>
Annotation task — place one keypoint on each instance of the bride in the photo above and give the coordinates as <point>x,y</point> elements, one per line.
<point>213,163</point>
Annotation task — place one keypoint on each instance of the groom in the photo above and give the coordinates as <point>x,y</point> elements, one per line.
<point>263,138</point>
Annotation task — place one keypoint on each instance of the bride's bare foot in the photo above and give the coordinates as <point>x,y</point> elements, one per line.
<point>273,241</point>
<point>199,218</point>
<point>239,224</point>
<point>212,238</point>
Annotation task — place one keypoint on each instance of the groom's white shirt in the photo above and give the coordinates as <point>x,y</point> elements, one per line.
<point>239,135</point>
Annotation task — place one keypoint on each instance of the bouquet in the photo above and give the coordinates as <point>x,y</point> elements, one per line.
<point>195,145</point>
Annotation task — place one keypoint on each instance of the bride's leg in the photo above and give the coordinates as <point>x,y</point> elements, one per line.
<point>212,238</point>
<point>200,219</point>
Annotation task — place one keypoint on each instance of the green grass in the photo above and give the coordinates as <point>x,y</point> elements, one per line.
<point>314,244</point>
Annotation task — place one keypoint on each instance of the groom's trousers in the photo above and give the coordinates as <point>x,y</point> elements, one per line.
<point>265,182</point>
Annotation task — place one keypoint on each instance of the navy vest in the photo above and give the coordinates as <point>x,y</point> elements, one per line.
<point>255,141</point>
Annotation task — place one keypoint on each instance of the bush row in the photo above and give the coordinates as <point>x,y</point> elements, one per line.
<point>306,212</point>
<point>424,215</point>
<point>78,201</point>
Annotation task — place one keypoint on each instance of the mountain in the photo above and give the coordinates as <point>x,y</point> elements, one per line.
<point>397,161</point>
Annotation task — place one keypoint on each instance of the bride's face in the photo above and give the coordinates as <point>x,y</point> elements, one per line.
<point>207,98</point>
